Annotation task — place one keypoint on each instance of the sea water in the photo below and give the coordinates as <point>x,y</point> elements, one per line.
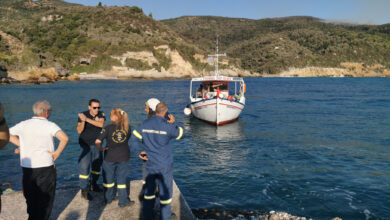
<point>314,147</point>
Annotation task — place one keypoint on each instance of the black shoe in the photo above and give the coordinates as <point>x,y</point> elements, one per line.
<point>127,204</point>
<point>85,195</point>
<point>95,188</point>
<point>108,203</point>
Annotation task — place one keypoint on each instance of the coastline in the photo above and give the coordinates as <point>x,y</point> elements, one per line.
<point>37,76</point>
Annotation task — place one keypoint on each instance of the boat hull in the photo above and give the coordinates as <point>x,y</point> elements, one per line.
<point>217,111</point>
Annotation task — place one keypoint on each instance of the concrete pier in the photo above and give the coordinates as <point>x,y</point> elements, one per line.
<point>68,205</point>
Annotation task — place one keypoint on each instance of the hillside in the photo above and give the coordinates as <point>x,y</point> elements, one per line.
<point>124,42</point>
<point>86,39</point>
<point>273,45</point>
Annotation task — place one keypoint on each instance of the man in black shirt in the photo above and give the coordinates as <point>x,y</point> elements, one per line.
<point>90,123</point>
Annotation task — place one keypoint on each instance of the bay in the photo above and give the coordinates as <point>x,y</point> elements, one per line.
<point>315,147</point>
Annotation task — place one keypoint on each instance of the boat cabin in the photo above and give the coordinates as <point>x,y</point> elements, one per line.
<point>229,88</point>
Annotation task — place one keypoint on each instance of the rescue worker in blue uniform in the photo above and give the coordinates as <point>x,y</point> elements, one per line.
<point>156,134</point>
<point>89,125</point>
<point>116,157</point>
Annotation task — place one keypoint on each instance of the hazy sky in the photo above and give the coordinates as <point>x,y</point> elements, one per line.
<point>355,11</point>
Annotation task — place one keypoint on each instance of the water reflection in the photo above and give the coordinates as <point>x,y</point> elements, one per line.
<point>211,133</point>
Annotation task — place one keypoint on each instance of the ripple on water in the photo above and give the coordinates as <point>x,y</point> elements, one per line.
<point>310,147</point>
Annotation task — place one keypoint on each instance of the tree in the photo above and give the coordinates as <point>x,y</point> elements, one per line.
<point>100,4</point>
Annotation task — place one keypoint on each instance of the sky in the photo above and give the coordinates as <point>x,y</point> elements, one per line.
<point>351,11</point>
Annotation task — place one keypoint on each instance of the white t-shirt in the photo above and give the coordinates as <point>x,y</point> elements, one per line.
<point>36,139</point>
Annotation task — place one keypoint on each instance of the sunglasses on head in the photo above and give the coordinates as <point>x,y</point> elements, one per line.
<point>96,107</point>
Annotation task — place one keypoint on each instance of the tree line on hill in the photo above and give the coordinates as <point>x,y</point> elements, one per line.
<point>52,32</point>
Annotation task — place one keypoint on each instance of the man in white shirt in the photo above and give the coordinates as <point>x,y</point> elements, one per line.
<point>34,137</point>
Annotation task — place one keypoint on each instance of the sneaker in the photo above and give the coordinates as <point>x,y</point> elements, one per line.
<point>86,195</point>
<point>127,204</point>
<point>95,188</point>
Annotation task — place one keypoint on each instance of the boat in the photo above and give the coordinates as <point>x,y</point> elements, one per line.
<point>216,99</point>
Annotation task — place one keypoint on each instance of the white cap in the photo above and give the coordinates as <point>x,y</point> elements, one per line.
<point>152,103</point>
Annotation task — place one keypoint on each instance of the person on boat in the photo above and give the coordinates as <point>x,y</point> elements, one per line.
<point>199,91</point>
<point>155,134</point>
<point>116,157</point>
<point>4,132</point>
<point>89,125</point>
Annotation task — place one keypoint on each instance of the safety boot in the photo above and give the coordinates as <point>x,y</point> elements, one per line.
<point>94,187</point>
<point>86,195</point>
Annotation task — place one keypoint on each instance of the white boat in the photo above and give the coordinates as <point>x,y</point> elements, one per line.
<point>216,99</point>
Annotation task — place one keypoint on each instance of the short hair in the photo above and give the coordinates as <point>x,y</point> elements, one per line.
<point>93,100</point>
<point>161,108</point>
<point>40,107</point>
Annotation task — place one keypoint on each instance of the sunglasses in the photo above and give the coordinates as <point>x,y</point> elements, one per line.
<point>96,107</point>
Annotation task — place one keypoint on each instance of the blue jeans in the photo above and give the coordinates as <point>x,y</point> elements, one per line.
<point>164,182</point>
<point>118,171</point>
<point>89,155</point>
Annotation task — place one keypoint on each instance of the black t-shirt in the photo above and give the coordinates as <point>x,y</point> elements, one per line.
<point>91,132</point>
<point>117,143</point>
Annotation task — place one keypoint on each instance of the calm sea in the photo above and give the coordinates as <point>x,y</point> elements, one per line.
<point>314,147</point>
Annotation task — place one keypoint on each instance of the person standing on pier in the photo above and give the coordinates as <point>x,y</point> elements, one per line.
<point>155,134</point>
<point>90,123</point>
<point>4,132</point>
<point>116,157</point>
<point>34,137</point>
<point>4,135</point>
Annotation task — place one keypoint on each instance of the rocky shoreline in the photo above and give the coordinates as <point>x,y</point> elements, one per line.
<point>246,215</point>
<point>38,76</point>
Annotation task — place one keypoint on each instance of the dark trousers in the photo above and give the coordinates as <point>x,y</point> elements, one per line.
<point>90,157</point>
<point>118,171</point>
<point>164,182</point>
<point>39,186</point>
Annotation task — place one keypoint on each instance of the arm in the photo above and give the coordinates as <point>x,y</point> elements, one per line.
<point>99,123</point>
<point>176,131</point>
<point>15,140</point>
<point>4,133</point>
<point>81,124</point>
<point>98,144</point>
<point>135,142</point>
<point>63,138</point>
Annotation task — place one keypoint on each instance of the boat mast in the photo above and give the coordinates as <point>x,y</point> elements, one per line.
<point>217,58</point>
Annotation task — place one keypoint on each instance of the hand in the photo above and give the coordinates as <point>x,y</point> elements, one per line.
<point>54,154</point>
<point>82,117</point>
<point>171,119</point>
<point>103,148</point>
<point>17,151</point>
<point>143,156</point>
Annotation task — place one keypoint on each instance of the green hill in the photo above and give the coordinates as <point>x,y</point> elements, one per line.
<point>49,33</point>
<point>273,45</point>
<point>58,32</point>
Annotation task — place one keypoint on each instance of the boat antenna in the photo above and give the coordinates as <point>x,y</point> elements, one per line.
<point>217,56</point>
